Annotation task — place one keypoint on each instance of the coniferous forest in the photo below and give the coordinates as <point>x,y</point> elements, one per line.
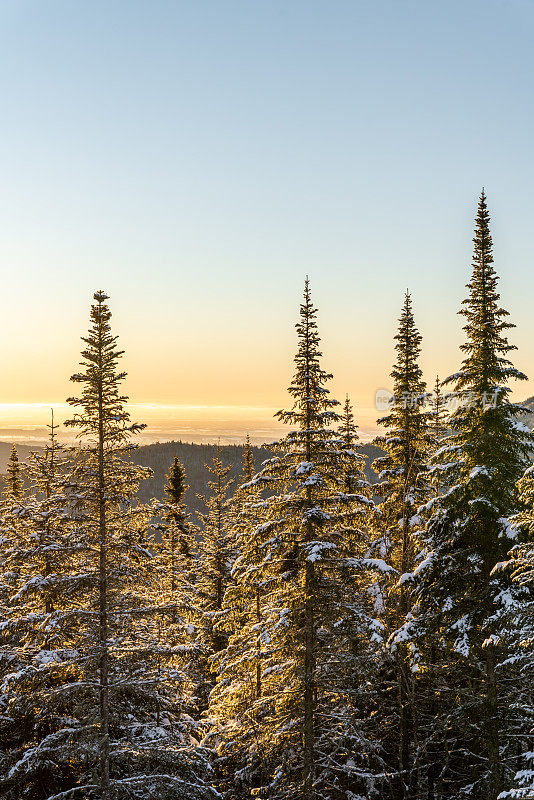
<point>310,635</point>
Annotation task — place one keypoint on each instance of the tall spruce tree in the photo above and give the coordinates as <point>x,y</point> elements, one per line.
<point>141,752</point>
<point>402,486</point>
<point>307,744</point>
<point>469,533</point>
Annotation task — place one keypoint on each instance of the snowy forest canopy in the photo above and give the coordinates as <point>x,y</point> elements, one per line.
<point>310,634</point>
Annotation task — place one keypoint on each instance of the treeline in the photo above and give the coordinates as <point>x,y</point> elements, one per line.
<point>195,457</point>
<point>316,637</point>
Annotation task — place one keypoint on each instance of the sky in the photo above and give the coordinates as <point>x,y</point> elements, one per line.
<point>197,160</point>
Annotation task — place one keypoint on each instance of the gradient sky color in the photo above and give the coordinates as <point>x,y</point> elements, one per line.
<point>197,159</point>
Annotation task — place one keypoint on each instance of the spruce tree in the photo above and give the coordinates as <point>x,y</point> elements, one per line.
<point>301,739</point>
<point>248,461</point>
<point>469,533</point>
<point>13,488</point>
<point>355,482</point>
<point>178,544</point>
<point>175,557</point>
<point>44,726</point>
<point>354,463</point>
<point>234,700</point>
<point>140,750</point>
<point>216,556</point>
<point>403,486</point>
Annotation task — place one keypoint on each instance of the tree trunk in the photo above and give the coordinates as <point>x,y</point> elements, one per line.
<point>491,726</point>
<point>309,687</point>
<point>103,606</point>
<point>258,644</point>
<point>404,675</point>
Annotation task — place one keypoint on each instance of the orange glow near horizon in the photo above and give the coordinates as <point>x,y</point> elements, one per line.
<point>26,422</point>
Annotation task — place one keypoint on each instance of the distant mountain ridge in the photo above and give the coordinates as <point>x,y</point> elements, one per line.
<point>159,457</point>
<point>194,457</point>
<point>23,451</point>
<point>529,418</point>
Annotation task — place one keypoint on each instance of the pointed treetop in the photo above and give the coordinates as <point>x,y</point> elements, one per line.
<point>52,427</point>
<point>101,381</point>
<point>406,372</point>
<point>176,487</point>
<point>100,296</point>
<point>485,369</point>
<point>438,412</point>
<point>348,428</point>
<point>13,479</point>
<point>248,460</point>
<point>312,404</point>
<point>406,423</point>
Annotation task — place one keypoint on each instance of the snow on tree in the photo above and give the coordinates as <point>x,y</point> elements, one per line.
<point>519,667</point>
<point>13,486</point>
<point>469,532</point>
<point>299,735</point>
<point>236,698</point>
<point>216,557</point>
<point>355,482</point>
<point>175,560</point>
<point>45,726</point>
<point>86,644</point>
<point>402,486</point>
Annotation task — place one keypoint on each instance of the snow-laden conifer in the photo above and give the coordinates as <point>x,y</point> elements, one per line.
<point>216,556</point>
<point>402,486</point>
<point>140,751</point>
<point>174,558</point>
<point>46,727</point>
<point>13,487</point>
<point>234,707</point>
<point>461,596</point>
<point>307,742</point>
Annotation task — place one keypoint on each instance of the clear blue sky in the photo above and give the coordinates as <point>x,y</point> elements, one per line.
<point>197,159</point>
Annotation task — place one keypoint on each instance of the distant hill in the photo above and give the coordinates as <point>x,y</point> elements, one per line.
<point>529,418</point>
<point>160,456</point>
<point>23,451</point>
<point>194,457</point>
